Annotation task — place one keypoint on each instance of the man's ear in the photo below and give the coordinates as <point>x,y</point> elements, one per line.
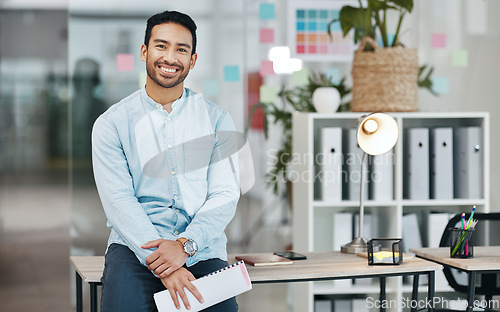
<point>194,57</point>
<point>144,52</point>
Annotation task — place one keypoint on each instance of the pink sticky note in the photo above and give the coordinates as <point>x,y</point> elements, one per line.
<point>438,41</point>
<point>266,35</point>
<point>125,62</point>
<point>266,68</point>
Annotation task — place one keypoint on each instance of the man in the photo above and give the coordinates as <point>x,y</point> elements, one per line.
<point>166,190</point>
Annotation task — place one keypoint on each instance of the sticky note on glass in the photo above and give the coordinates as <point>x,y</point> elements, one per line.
<point>266,11</point>
<point>441,85</point>
<point>300,78</point>
<point>266,68</point>
<point>231,73</point>
<point>142,79</point>
<point>438,41</point>
<point>266,35</point>
<point>210,87</point>
<point>124,62</point>
<point>459,58</point>
<point>333,74</point>
<point>268,94</point>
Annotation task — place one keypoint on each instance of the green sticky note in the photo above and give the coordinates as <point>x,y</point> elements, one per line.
<point>142,79</point>
<point>301,77</point>
<point>459,58</point>
<point>268,94</point>
<point>333,74</point>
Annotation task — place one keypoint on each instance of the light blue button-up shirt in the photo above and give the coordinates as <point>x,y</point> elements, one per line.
<point>163,175</point>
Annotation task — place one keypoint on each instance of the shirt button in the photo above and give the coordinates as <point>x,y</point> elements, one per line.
<point>172,172</point>
<point>168,118</point>
<point>176,232</point>
<point>175,197</point>
<point>177,210</point>
<point>169,146</point>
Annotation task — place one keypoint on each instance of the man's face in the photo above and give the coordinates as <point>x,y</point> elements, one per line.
<point>168,54</point>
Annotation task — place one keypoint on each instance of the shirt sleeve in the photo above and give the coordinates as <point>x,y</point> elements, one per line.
<point>115,186</point>
<point>218,210</point>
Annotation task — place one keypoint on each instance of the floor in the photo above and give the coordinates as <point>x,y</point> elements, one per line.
<point>42,223</point>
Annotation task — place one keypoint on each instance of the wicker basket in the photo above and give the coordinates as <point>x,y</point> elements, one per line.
<point>384,80</point>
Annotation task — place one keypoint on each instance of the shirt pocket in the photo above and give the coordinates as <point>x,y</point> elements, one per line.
<point>197,154</point>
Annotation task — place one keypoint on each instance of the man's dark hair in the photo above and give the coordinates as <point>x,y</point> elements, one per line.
<point>171,17</point>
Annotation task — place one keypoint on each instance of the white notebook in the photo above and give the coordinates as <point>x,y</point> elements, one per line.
<point>215,287</point>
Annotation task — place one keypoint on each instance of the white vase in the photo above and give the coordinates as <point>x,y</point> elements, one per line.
<point>326,100</point>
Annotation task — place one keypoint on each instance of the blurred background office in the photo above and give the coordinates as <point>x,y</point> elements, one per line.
<point>64,62</point>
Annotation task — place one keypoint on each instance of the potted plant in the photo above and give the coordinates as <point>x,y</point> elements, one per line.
<point>295,99</point>
<point>384,78</point>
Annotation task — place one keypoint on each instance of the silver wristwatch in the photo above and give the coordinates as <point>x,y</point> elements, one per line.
<point>190,247</point>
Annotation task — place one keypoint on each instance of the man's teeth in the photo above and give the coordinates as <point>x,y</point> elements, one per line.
<point>168,70</point>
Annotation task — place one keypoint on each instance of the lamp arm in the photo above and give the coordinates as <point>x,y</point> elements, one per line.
<point>361,197</point>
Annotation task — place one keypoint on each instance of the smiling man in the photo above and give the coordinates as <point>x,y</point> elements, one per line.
<point>167,199</point>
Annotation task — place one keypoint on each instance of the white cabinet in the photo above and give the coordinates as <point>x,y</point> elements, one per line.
<point>313,217</point>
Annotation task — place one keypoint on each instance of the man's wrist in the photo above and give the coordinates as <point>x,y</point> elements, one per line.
<point>188,245</point>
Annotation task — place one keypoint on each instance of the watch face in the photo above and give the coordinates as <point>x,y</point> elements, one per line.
<point>190,247</point>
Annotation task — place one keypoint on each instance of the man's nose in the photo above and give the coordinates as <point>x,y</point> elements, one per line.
<point>170,56</point>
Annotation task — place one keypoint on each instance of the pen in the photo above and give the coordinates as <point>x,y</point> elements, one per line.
<point>470,218</point>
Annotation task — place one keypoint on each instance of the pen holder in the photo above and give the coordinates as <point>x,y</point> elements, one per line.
<point>461,245</point>
<point>384,251</point>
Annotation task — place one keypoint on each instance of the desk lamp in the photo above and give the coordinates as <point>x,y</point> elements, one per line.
<point>377,134</point>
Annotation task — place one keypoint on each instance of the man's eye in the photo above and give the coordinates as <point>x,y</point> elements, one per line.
<point>182,50</point>
<point>161,46</point>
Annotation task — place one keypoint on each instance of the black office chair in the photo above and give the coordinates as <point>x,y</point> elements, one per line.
<point>488,282</point>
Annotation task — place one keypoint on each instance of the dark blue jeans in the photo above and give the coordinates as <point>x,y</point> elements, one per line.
<point>128,286</point>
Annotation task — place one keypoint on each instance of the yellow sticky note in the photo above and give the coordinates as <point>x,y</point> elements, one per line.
<point>459,58</point>
<point>301,77</point>
<point>268,94</point>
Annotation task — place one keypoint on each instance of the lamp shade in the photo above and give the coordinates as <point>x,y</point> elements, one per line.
<point>377,133</point>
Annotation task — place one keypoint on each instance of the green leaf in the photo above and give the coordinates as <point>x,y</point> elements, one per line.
<point>404,4</point>
<point>351,17</point>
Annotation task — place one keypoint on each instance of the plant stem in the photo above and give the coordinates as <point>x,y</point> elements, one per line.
<point>396,35</point>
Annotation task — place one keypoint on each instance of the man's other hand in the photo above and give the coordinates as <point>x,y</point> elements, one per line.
<point>176,282</point>
<point>167,258</point>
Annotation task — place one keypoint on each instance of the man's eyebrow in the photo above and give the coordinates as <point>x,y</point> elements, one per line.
<point>179,44</point>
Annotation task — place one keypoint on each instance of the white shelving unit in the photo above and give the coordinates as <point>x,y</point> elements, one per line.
<point>313,218</point>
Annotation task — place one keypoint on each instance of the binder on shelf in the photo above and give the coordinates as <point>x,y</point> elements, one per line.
<point>322,305</point>
<point>382,176</point>
<point>353,155</point>
<point>215,287</point>
<point>359,305</point>
<point>343,305</point>
<point>331,166</point>
<point>416,169</point>
<point>441,163</point>
<point>468,152</point>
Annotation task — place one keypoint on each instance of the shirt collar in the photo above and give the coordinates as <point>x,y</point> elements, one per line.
<point>176,105</point>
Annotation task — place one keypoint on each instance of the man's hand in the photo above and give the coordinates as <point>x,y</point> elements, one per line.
<point>168,257</point>
<point>176,282</point>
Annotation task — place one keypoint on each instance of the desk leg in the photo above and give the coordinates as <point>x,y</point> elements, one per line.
<point>93,297</point>
<point>382,294</point>
<point>414,293</point>
<point>431,290</point>
<point>79,302</point>
<point>471,291</point>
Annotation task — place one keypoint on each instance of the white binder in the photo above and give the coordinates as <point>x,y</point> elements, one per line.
<point>382,176</point>
<point>215,287</point>
<point>416,173</point>
<point>468,152</point>
<point>353,155</point>
<point>442,163</point>
<point>331,166</point>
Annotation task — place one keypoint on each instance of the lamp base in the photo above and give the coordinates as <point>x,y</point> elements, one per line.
<point>357,245</point>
